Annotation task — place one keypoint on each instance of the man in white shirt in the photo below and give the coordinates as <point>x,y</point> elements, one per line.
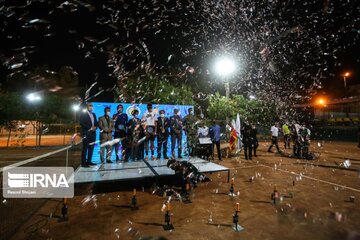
<point>274,137</point>
<point>149,120</point>
<point>203,131</point>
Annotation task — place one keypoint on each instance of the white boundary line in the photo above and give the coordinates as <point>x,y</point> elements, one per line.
<point>35,158</point>
<point>315,179</point>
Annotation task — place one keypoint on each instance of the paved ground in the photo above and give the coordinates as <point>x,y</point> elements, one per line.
<point>48,140</point>
<point>320,208</point>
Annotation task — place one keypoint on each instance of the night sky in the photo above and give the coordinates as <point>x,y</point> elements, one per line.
<point>283,44</point>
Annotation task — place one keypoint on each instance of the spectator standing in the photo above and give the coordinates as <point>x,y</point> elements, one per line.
<point>254,139</point>
<point>215,138</point>
<point>287,135</point>
<point>274,137</point>
<point>247,141</point>
<point>296,139</point>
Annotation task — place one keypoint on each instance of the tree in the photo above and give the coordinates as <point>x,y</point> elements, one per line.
<point>139,87</point>
<point>220,107</point>
<point>52,108</point>
<point>253,111</point>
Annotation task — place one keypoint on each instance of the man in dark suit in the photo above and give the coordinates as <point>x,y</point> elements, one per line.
<point>120,120</point>
<point>106,125</point>
<point>135,138</point>
<point>88,123</point>
<point>176,132</point>
<point>163,124</point>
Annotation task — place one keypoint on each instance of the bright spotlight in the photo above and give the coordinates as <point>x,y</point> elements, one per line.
<point>321,102</point>
<point>76,107</point>
<point>33,97</point>
<point>224,67</point>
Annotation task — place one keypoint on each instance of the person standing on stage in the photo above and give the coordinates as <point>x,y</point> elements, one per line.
<point>135,137</point>
<point>189,122</point>
<point>163,124</point>
<point>106,126</point>
<point>149,120</point>
<point>274,137</point>
<point>88,123</point>
<point>120,123</point>
<point>176,127</point>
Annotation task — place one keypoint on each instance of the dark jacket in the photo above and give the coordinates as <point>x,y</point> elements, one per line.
<point>163,129</point>
<point>176,125</point>
<point>135,129</point>
<point>85,122</point>
<point>121,121</point>
<point>253,135</point>
<point>246,132</point>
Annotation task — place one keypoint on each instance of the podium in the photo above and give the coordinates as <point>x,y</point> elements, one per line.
<point>204,148</point>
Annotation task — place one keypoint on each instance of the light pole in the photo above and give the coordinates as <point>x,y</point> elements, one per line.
<point>345,76</point>
<point>321,102</point>
<point>35,98</point>
<point>224,67</point>
<point>75,108</point>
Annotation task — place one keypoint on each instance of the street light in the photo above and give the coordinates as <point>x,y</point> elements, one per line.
<point>224,67</point>
<point>33,97</point>
<point>75,108</point>
<point>321,102</point>
<point>347,74</point>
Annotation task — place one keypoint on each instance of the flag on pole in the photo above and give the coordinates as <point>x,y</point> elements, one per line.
<point>238,131</point>
<point>233,138</point>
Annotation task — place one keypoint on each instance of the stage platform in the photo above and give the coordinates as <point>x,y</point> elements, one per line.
<point>125,171</point>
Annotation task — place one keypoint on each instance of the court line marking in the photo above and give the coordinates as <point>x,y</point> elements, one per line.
<point>35,158</point>
<point>314,179</point>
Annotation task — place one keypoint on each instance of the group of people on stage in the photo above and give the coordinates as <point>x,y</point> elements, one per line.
<point>137,136</point>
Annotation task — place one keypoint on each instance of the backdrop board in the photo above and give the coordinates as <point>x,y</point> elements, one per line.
<point>169,111</point>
